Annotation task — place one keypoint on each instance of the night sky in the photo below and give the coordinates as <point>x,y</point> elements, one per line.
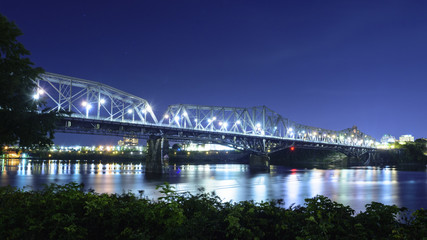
<point>328,64</point>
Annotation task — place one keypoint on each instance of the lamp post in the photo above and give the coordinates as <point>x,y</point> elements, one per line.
<point>130,111</point>
<point>100,102</point>
<point>87,106</point>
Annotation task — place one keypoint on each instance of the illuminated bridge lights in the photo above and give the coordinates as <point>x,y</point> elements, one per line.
<point>38,93</point>
<point>243,128</point>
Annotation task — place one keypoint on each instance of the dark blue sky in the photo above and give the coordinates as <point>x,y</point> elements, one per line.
<point>330,64</point>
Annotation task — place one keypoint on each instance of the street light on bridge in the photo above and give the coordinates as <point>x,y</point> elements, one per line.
<point>223,125</point>
<point>87,106</point>
<point>39,92</point>
<point>130,111</point>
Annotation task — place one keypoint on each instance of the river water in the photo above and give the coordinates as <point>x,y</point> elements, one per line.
<point>354,186</point>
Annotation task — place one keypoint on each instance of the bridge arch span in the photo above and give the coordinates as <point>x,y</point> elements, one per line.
<point>92,100</point>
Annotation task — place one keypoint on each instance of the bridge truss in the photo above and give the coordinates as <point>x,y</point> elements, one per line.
<point>89,99</point>
<point>269,129</point>
<point>100,109</point>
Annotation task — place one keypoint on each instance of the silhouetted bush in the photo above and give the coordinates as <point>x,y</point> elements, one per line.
<point>69,212</point>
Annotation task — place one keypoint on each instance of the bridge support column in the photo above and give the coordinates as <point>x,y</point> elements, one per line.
<point>259,162</point>
<point>155,160</point>
<point>372,158</point>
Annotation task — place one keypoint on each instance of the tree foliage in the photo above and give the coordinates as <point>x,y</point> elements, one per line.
<point>412,151</point>
<point>69,212</point>
<point>21,121</point>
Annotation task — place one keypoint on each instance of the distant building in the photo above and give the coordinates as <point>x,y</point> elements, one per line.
<point>357,135</point>
<point>128,141</point>
<point>353,131</point>
<point>206,147</point>
<point>387,138</point>
<point>406,138</point>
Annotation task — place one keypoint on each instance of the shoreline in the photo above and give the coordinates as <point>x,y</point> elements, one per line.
<point>299,158</point>
<point>184,162</point>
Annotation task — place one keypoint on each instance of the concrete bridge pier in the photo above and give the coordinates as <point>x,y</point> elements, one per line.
<point>372,158</point>
<point>358,159</point>
<point>157,150</point>
<point>259,163</point>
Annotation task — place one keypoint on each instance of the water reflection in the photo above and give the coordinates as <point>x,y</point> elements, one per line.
<point>355,187</point>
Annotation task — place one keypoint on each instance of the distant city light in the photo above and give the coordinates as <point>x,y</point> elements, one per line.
<point>207,147</point>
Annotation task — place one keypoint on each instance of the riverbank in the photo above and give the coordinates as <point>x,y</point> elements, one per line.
<point>208,157</point>
<point>174,157</point>
<point>74,213</point>
<point>299,158</point>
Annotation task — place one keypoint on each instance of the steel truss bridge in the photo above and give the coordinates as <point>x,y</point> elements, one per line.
<point>100,109</point>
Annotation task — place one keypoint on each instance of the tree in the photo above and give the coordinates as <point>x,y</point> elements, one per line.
<point>21,120</point>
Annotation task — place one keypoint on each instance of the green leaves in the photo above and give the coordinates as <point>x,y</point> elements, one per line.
<point>21,121</point>
<point>69,212</point>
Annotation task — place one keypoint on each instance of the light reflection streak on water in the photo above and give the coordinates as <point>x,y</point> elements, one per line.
<point>355,187</point>
<point>259,188</point>
<point>60,168</point>
<point>27,168</point>
<point>292,184</point>
<point>316,182</point>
